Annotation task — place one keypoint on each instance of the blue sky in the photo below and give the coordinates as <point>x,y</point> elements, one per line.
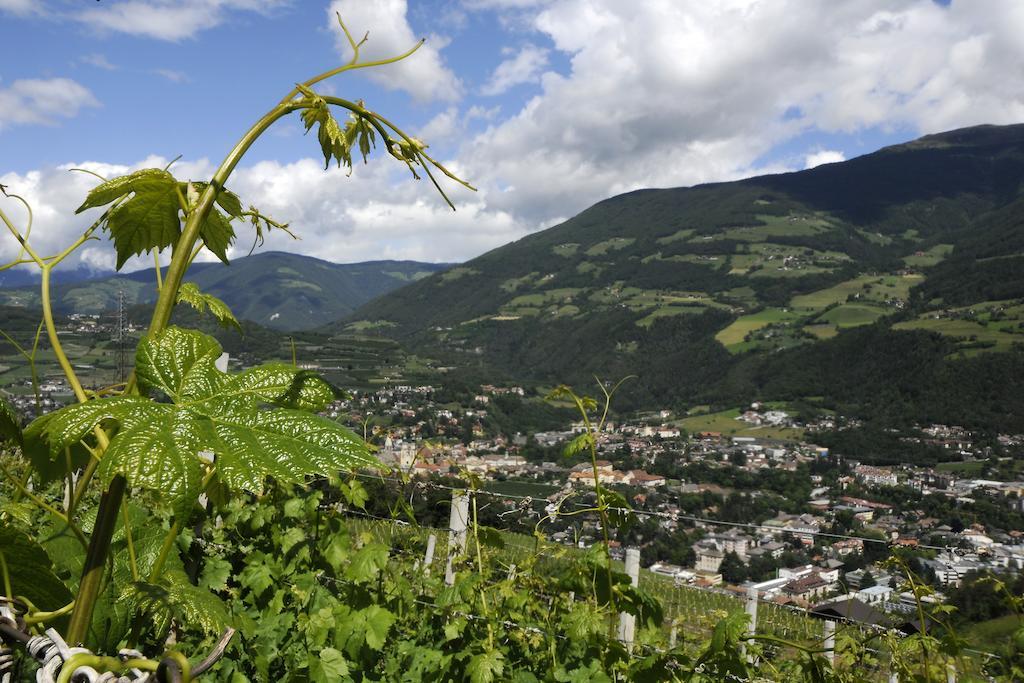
<point>546,105</point>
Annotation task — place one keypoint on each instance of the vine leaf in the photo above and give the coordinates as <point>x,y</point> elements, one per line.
<point>30,570</point>
<point>176,598</point>
<point>151,217</point>
<point>337,142</point>
<point>10,425</point>
<point>190,294</point>
<point>486,666</point>
<point>157,445</point>
<point>328,666</point>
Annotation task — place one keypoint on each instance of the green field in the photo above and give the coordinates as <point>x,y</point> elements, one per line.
<point>568,249</point>
<point>822,331</point>
<point>774,226</point>
<point>725,422</point>
<point>876,288</point>
<point>458,273</point>
<point>677,236</point>
<point>512,284</point>
<point>851,315</point>
<point>967,330</point>
<point>926,259</point>
<point>613,244</point>
<point>973,467</point>
<point>737,331</point>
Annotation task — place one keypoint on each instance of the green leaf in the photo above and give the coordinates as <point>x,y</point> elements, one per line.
<point>149,220</point>
<point>620,514</point>
<point>10,424</point>
<point>190,294</point>
<point>336,551</point>
<point>486,667</point>
<point>327,667</point>
<point>334,143</point>
<point>355,493</point>
<point>176,597</point>
<point>580,443</point>
<point>157,444</point>
<point>367,562</point>
<point>230,202</point>
<point>110,190</point>
<point>257,577</point>
<point>215,575</point>
<point>217,234</point>
<point>377,622</point>
<point>161,455</point>
<point>225,199</point>
<point>282,385</point>
<point>71,424</point>
<point>179,363</point>
<point>30,570</point>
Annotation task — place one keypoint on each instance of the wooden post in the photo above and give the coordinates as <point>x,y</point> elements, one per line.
<point>751,608</point>
<point>951,673</point>
<point>894,677</point>
<point>830,641</point>
<point>457,523</point>
<point>627,622</point>
<point>673,635</point>
<point>222,362</point>
<point>428,559</point>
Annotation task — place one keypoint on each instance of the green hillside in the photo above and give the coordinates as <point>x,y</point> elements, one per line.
<point>709,293</point>
<point>276,289</point>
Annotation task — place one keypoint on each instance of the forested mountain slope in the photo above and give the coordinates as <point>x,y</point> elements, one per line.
<point>889,286</point>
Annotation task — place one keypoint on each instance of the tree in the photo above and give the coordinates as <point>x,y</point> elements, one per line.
<point>867,581</point>
<point>732,569</point>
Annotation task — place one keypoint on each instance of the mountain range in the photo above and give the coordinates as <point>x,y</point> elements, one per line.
<point>275,289</point>
<point>889,286</point>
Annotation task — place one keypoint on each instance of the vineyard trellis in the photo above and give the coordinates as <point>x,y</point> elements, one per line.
<point>698,608</point>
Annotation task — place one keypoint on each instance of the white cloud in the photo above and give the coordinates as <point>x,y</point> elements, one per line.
<point>424,75</point>
<point>524,67</point>
<point>42,101</point>
<point>172,75</point>
<point>379,212</point>
<point>21,8</point>
<point>170,20</point>
<point>99,61</point>
<point>824,156</point>
<point>665,93</point>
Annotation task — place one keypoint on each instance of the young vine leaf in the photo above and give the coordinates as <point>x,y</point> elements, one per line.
<point>337,142</point>
<point>190,294</point>
<point>157,445</point>
<point>151,218</point>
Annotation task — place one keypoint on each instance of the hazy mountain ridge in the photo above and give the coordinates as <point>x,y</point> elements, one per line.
<point>275,289</point>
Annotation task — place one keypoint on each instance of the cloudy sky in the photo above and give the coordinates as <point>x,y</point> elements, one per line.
<point>545,105</point>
